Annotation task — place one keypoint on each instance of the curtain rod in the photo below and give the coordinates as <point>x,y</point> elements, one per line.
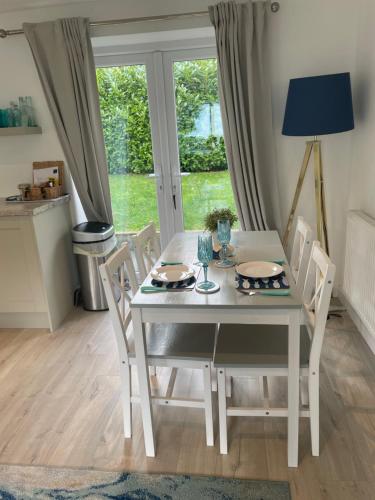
<point>275,6</point>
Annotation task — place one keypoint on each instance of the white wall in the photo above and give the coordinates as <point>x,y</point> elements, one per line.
<point>312,37</point>
<point>19,77</point>
<point>362,194</point>
<point>308,37</point>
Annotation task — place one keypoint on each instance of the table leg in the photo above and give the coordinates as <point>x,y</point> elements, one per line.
<point>144,382</point>
<point>293,386</point>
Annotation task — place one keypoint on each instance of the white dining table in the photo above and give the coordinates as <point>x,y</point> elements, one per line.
<point>228,305</point>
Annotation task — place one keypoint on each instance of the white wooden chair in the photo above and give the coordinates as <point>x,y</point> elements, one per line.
<point>169,345</point>
<point>146,244</point>
<point>147,249</point>
<point>300,252</point>
<point>301,249</point>
<point>262,350</point>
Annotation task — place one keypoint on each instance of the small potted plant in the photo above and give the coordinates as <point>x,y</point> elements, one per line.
<point>210,224</point>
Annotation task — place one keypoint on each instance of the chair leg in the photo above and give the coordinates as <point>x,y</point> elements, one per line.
<point>213,378</point>
<point>221,390</point>
<point>213,369</point>
<point>228,387</point>
<point>304,391</point>
<point>126,390</point>
<point>261,388</point>
<point>208,404</point>
<point>152,370</point>
<point>314,412</point>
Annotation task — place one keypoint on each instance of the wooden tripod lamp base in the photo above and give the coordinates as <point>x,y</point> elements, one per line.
<point>321,216</point>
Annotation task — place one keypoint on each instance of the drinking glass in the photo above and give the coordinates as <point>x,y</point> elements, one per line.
<point>3,118</point>
<point>223,235</point>
<point>205,255</point>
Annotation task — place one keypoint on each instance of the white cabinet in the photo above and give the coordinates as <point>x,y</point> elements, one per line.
<point>20,280</point>
<point>36,269</point>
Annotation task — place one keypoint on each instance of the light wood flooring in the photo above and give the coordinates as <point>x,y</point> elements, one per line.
<point>59,406</point>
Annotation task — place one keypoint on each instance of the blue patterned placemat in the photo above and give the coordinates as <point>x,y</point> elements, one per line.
<point>177,285</point>
<point>275,283</point>
<point>216,254</point>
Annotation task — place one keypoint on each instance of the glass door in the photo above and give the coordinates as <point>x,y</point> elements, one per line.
<point>164,139</point>
<point>200,177</point>
<point>129,113</point>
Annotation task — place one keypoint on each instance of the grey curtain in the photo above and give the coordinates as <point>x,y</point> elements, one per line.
<point>241,39</point>
<point>64,59</point>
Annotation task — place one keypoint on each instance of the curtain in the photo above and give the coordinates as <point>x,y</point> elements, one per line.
<point>241,39</point>
<point>64,59</point>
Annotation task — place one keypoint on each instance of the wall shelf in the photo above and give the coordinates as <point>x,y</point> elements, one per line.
<point>7,131</point>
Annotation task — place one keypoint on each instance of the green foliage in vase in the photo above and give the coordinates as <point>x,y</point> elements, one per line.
<point>210,221</point>
<point>126,121</point>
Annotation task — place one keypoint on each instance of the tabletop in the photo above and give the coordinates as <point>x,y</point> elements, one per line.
<point>248,245</point>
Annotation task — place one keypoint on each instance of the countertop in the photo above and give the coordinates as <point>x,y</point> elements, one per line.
<point>29,208</point>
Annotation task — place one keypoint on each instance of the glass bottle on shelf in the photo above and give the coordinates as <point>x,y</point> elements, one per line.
<point>23,111</point>
<point>16,114</point>
<point>10,115</point>
<point>30,110</point>
<point>4,118</point>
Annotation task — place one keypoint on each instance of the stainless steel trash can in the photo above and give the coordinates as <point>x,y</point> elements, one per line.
<point>93,243</point>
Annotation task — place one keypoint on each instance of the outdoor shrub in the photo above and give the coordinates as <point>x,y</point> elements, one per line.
<point>198,154</point>
<point>126,121</point>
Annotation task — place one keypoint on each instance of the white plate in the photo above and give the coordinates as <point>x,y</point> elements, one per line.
<point>171,274</point>
<point>259,269</point>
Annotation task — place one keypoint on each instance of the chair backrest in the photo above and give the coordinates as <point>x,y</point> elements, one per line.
<point>118,274</point>
<point>316,297</point>
<point>300,252</point>
<point>147,249</point>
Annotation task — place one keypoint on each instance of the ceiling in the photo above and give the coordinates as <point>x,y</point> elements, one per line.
<point>14,5</point>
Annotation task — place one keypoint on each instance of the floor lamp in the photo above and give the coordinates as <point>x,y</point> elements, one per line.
<point>316,105</point>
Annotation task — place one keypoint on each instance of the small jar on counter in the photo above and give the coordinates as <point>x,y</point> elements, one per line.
<point>25,191</point>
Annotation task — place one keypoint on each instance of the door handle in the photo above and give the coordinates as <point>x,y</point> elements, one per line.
<point>174,201</point>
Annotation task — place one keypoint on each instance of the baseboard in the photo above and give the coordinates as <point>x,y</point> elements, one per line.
<point>24,320</point>
<point>366,333</point>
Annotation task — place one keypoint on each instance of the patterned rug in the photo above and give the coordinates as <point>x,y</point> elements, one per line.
<point>29,483</point>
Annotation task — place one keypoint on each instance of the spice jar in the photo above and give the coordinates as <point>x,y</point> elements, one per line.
<point>25,191</point>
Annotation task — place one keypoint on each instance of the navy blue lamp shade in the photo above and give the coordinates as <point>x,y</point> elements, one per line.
<point>319,105</point>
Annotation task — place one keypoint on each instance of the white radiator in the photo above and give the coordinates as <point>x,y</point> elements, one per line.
<point>359,273</point>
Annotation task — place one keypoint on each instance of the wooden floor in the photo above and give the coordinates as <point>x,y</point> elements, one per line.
<point>59,406</point>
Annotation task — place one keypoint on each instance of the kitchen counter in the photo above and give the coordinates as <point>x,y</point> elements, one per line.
<point>36,263</point>
<point>11,208</point>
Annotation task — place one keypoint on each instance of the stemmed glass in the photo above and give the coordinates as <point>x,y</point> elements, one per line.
<point>205,255</point>
<point>223,235</point>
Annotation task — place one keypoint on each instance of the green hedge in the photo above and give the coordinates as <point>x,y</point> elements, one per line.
<point>198,154</point>
<point>126,121</point>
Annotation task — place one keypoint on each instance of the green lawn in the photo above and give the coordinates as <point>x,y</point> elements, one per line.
<point>134,199</point>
